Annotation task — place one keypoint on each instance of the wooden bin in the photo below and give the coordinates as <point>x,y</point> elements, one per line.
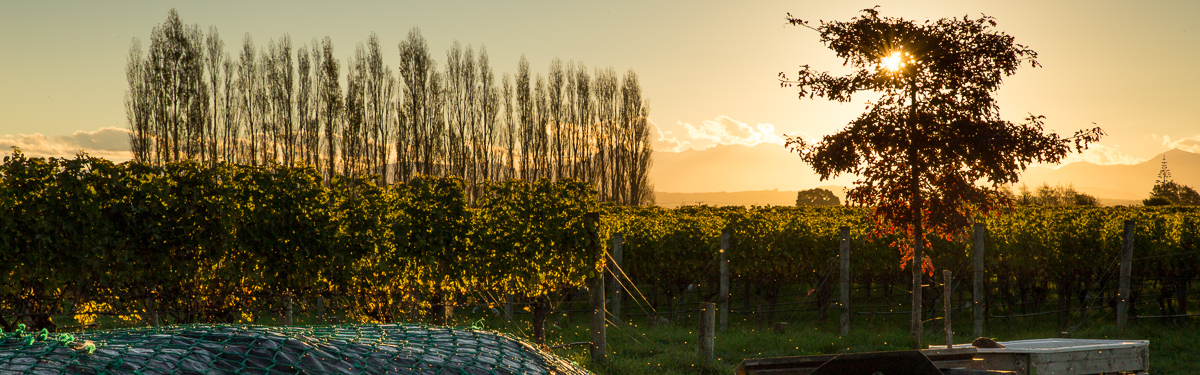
<point>1066,356</point>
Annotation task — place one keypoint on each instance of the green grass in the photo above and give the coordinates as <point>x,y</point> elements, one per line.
<point>639,349</point>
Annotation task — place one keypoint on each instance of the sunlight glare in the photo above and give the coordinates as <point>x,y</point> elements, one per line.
<point>892,62</point>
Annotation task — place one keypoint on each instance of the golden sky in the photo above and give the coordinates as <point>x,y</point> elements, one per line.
<point>708,68</point>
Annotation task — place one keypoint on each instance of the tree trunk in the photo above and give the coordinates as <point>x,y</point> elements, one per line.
<point>541,311</point>
<point>1065,293</point>
<point>1183,295</point>
<point>441,309</point>
<point>917,205</point>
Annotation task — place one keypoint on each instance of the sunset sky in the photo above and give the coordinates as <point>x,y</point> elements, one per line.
<point>708,68</point>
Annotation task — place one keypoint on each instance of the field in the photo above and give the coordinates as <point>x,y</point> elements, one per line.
<point>668,345</point>
<point>352,251</point>
<point>637,347</point>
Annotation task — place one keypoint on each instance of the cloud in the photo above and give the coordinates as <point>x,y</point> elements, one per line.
<point>726,131</point>
<point>1103,155</point>
<point>1190,144</point>
<point>110,143</point>
<point>666,141</point>
<point>722,130</point>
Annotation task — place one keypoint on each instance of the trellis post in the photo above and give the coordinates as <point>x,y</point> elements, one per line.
<point>977,293</point>
<point>844,275</point>
<point>723,297</point>
<point>1126,270</point>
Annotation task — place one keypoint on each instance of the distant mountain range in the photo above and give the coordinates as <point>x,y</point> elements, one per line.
<point>769,174</point>
<point>733,168</point>
<point>1119,182</point>
<point>738,198</point>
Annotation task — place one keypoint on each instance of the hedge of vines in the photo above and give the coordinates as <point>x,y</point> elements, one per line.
<point>1035,256</point>
<point>197,243</point>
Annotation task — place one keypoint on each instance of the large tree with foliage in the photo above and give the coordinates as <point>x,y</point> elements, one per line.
<point>816,197</point>
<point>935,131</point>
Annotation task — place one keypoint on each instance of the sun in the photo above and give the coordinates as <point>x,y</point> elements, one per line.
<point>892,62</point>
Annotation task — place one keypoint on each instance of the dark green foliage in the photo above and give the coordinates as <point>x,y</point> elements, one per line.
<point>1061,195</point>
<point>936,130</point>
<point>816,197</point>
<point>533,241</point>
<point>1171,192</point>
<point>209,242</point>
<point>192,243</point>
<point>1167,192</point>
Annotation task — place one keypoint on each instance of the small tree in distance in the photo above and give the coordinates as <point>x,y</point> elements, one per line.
<point>1167,192</point>
<point>1046,195</point>
<point>816,197</point>
<point>935,130</point>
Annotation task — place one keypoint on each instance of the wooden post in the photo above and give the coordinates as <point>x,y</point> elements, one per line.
<point>705,341</point>
<point>1126,270</point>
<point>948,278</point>
<point>599,345</point>
<point>287,318</point>
<point>723,296</point>
<point>154,305</point>
<point>844,290</point>
<point>320,302</point>
<point>617,293</point>
<point>154,321</point>
<point>508,302</point>
<point>977,293</point>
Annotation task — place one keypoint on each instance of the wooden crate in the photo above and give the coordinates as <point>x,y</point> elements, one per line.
<point>1066,356</point>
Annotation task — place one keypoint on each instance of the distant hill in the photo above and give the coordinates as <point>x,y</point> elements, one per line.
<point>1113,183</point>
<point>740,175</point>
<point>734,168</point>
<point>738,198</point>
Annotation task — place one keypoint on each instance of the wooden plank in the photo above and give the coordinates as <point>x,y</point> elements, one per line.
<point>1096,361</point>
<point>975,372</point>
<point>1092,361</point>
<point>803,365</point>
<point>1016,362</point>
<point>799,365</point>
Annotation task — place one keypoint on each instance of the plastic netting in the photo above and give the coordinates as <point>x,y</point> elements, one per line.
<point>240,349</point>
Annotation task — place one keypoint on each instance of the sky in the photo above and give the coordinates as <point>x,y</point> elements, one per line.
<point>708,68</point>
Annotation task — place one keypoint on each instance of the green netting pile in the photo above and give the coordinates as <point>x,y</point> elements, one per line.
<point>229,349</point>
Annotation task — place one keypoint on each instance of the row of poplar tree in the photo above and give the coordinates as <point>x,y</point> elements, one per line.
<point>189,99</point>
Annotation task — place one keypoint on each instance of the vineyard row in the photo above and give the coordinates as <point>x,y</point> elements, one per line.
<point>203,243</point>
